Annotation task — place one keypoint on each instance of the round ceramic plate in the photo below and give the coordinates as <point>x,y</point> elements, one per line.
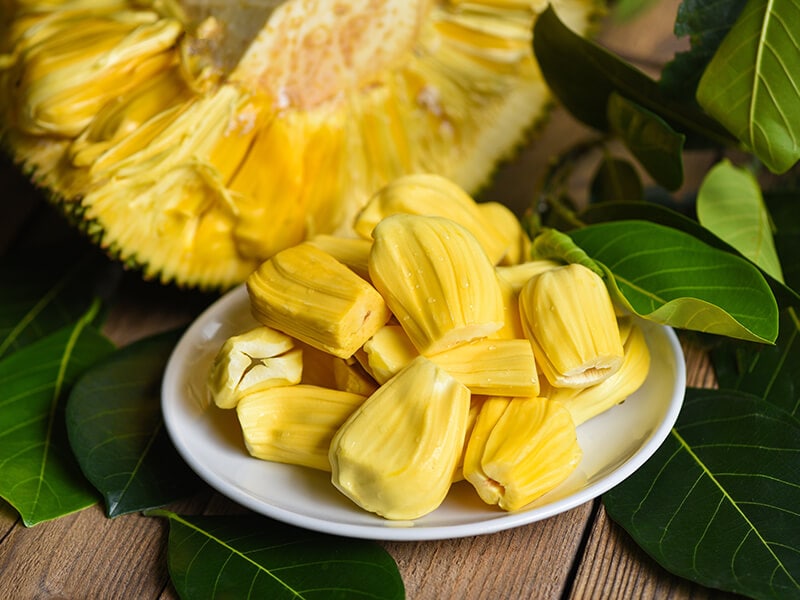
<point>614,445</point>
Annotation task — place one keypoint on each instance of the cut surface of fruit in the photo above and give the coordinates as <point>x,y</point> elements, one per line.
<point>194,140</point>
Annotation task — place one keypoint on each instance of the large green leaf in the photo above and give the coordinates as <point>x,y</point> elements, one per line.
<point>44,291</point>
<point>255,557</point>
<point>673,278</point>
<point>117,432</point>
<point>752,85</point>
<point>787,245</point>
<point>38,474</point>
<point>769,372</point>
<point>730,204</point>
<point>652,141</point>
<point>705,22</point>
<point>717,503</point>
<point>583,75</point>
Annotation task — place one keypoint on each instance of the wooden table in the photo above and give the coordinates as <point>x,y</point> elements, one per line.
<point>578,554</point>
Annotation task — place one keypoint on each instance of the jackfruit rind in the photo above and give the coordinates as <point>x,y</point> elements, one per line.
<point>195,146</point>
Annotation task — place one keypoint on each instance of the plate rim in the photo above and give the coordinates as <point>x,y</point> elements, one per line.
<point>385,530</point>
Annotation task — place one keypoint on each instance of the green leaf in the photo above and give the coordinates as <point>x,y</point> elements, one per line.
<point>117,432</point>
<point>705,22</point>
<point>771,373</point>
<point>38,474</point>
<point>657,146</point>
<point>675,279</point>
<point>553,244</point>
<point>717,503</point>
<point>647,211</point>
<point>49,290</point>
<point>729,203</point>
<point>255,557</point>
<point>752,85</point>
<point>616,180</point>
<point>583,76</point>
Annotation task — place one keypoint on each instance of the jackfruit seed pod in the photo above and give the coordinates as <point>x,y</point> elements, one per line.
<point>518,243</point>
<point>437,281</point>
<point>351,252</point>
<point>588,402</point>
<point>294,424</point>
<point>388,351</point>
<point>520,449</point>
<point>493,367</point>
<point>569,319</point>
<point>396,454</point>
<point>306,293</point>
<point>259,358</point>
<point>427,194</point>
<point>518,275</point>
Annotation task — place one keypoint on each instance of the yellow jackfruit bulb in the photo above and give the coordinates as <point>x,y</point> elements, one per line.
<point>512,324</point>
<point>196,139</point>
<point>388,351</point>
<point>493,367</point>
<point>569,319</point>
<point>432,195</point>
<point>518,275</point>
<point>396,454</point>
<point>351,252</point>
<point>520,449</point>
<point>259,358</point>
<point>294,424</point>
<point>437,281</point>
<point>588,402</point>
<point>518,243</point>
<point>306,293</point>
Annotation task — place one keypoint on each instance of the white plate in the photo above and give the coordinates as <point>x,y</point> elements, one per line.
<point>614,445</point>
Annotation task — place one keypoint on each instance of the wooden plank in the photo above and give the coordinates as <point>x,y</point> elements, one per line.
<point>532,561</point>
<point>615,567</point>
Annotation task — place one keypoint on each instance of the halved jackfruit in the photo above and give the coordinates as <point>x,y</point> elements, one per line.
<point>195,139</point>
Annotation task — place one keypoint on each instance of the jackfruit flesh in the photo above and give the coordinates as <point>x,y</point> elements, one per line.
<point>259,358</point>
<point>294,424</point>
<point>397,453</point>
<point>520,449</point>
<point>437,281</point>
<point>194,140</point>
<point>569,318</point>
<point>587,402</point>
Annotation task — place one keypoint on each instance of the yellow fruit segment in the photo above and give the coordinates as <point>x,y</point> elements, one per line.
<point>294,424</point>
<point>396,454</point>
<point>308,294</point>
<point>434,195</point>
<point>437,281</point>
<point>520,449</point>
<point>255,359</point>
<point>569,318</point>
<point>585,403</point>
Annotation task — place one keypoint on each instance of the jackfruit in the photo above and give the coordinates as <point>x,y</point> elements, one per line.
<point>437,281</point>
<point>520,449</point>
<point>194,140</point>
<point>294,424</point>
<point>569,318</point>
<point>309,295</point>
<point>397,453</point>
<point>585,403</point>
<point>259,358</point>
